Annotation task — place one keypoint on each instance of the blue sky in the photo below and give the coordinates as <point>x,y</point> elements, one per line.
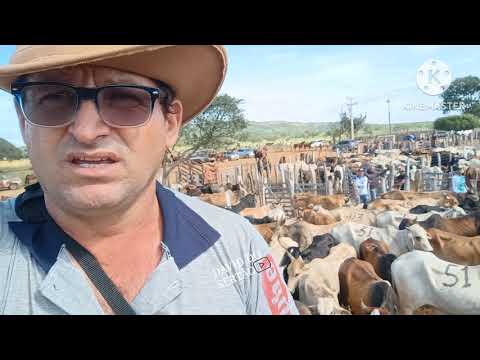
<point>311,83</point>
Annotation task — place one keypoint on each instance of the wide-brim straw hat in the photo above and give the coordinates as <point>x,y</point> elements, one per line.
<point>195,72</point>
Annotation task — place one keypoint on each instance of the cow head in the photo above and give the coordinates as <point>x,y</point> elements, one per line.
<point>382,297</point>
<point>406,223</point>
<point>434,238</point>
<point>294,270</point>
<point>419,239</point>
<point>385,266</point>
<point>449,201</point>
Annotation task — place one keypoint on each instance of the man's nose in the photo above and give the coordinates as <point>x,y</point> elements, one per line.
<point>88,126</point>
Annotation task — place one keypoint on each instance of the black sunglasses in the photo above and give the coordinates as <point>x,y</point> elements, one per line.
<point>52,104</point>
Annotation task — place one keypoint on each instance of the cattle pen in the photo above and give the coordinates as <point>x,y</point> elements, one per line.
<point>298,169</point>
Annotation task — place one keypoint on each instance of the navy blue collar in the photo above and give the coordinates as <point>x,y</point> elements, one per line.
<point>185,233</point>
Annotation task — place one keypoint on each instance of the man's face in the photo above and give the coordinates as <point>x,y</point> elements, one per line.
<point>138,152</point>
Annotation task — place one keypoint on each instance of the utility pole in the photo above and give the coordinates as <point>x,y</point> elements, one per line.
<point>350,104</point>
<point>389,123</point>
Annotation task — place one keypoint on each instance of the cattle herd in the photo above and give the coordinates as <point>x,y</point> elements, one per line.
<point>408,253</point>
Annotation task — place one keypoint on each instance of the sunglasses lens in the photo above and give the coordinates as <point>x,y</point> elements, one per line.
<point>124,106</point>
<point>49,105</point>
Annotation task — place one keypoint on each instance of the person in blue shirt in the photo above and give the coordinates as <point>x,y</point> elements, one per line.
<point>361,184</point>
<point>458,183</point>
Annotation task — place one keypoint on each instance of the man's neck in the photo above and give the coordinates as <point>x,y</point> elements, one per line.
<point>128,230</point>
<point>127,243</point>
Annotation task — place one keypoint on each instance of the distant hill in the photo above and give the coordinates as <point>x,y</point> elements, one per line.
<point>9,151</point>
<point>287,132</point>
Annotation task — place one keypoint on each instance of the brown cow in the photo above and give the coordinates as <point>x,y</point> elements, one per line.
<point>404,205</point>
<point>220,199</point>
<point>376,253</point>
<point>454,248</point>
<point>363,290</point>
<point>468,225</point>
<point>443,198</point>
<point>266,230</point>
<point>388,205</point>
<point>328,202</point>
<point>257,213</point>
<point>428,310</point>
<point>472,174</point>
<point>411,195</point>
<point>318,216</point>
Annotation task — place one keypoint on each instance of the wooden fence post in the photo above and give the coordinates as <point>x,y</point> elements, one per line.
<point>314,179</point>
<point>282,173</point>
<point>407,182</point>
<point>392,176</point>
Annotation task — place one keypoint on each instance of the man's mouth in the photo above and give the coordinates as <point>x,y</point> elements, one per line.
<point>92,160</point>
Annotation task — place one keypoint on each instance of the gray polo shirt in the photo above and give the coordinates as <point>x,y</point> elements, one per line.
<point>215,263</point>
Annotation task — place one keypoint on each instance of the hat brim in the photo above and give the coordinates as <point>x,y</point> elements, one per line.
<point>195,72</point>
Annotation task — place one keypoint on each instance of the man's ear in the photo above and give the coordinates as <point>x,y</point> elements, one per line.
<point>173,122</point>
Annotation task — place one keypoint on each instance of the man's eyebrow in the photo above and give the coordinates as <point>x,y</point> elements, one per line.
<point>57,76</point>
<point>123,79</point>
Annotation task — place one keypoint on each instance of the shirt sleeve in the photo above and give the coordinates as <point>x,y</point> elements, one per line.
<point>267,293</point>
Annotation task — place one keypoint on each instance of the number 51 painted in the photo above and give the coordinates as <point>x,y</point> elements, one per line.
<point>455,277</point>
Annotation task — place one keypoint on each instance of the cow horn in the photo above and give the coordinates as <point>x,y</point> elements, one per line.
<point>292,258</point>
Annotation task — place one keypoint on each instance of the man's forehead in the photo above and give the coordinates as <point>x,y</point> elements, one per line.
<point>77,72</point>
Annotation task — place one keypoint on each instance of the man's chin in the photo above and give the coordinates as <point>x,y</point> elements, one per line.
<point>95,196</point>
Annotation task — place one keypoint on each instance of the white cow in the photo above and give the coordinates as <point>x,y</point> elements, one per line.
<point>399,241</point>
<point>338,178</point>
<point>318,282</point>
<point>278,248</point>
<point>393,218</point>
<point>420,278</point>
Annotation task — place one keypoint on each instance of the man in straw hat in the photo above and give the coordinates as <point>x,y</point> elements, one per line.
<point>98,234</point>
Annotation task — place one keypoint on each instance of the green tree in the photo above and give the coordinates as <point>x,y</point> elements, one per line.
<point>475,110</point>
<point>358,123</point>
<point>335,132</point>
<point>9,151</point>
<point>457,122</point>
<point>216,127</point>
<point>464,90</point>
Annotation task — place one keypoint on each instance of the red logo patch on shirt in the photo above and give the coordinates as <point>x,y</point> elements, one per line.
<point>275,289</point>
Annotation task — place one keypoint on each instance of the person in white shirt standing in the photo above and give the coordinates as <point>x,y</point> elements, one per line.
<point>361,184</point>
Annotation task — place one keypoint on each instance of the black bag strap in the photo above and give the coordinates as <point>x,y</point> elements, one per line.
<point>30,207</point>
<point>99,278</point>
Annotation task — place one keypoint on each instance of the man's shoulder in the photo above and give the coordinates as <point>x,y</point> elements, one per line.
<point>238,237</point>
<point>7,210</point>
<point>215,216</point>
<point>7,214</point>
